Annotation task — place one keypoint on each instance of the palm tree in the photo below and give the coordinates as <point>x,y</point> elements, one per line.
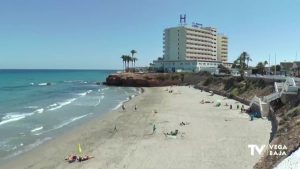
<point>127,60</point>
<point>123,57</point>
<point>131,60</point>
<point>133,52</point>
<point>248,58</point>
<point>134,59</point>
<point>132,55</point>
<point>242,60</point>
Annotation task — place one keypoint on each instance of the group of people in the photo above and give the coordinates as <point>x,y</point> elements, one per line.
<point>243,110</point>
<point>124,109</point>
<point>72,158</point>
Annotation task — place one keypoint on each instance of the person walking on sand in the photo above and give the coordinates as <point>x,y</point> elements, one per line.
<point>242,109</point>
<point>238,106</point>
<point>154,128</point>
<point>135,107</point>
<point>123,107</point>
<point>115,129</point>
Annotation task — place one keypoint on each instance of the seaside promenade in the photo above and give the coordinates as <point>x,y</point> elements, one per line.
<point>213,137</point>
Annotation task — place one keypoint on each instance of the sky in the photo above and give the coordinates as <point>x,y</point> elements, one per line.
<point>93,34</point>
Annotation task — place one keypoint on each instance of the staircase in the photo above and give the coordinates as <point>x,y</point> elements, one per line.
<point>281,88</point>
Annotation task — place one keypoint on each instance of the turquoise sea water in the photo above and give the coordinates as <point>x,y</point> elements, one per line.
<point>36,105</point>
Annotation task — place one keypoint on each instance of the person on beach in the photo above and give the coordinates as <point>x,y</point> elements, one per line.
<point>153,129</point>
<point>202,101</point>
<point>80,158</point>
<point>71,158</point>
<point>115,129</point>
<point>238,106</point>
<point>230,106</point>
<point>123,107</point>
<point>135,107</point>
<point>242,109</point>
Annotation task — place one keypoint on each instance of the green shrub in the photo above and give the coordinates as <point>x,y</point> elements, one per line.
<point>208,81</point>
<point>234,92</point>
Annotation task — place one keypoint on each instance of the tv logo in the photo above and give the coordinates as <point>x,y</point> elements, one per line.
<point>278,150</point>
<point>258,149</point>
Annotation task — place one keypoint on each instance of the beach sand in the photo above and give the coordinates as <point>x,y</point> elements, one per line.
<point>216,137</point>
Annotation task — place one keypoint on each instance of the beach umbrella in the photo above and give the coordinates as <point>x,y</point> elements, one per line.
<point>79,149</point>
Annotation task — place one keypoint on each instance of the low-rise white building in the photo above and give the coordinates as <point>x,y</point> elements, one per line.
<point>186,66</point>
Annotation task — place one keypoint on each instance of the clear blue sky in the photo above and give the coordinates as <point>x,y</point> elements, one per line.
<point>95,33</point>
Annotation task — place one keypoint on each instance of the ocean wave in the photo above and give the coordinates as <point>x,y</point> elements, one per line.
<point>40,111</point>
<point>11,117</point>
<point>69,121</point>
<point>63,124</point>
<point>121,103</point>
<point>56,106</point>
<point>31,107</point>
<point>37,129</point>
<point>85,93</point>
<point>42,84</point>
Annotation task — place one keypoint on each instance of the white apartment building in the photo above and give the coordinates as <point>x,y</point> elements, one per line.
<point>222,48</point>
<point>189,43</point>
<point>193,48</point>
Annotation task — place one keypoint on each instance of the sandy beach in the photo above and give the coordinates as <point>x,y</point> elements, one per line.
<point>214,137</point>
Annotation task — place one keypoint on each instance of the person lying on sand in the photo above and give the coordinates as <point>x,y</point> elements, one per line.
<point>202,101</point>
<point>172,133</point>
<point>184,123</point>
<point>154,111</point>
<point>71,158</point>
<point>80,158</point>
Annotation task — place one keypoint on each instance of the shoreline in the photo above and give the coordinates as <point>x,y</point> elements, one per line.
<point>70,129</point>
<point>134,140</point>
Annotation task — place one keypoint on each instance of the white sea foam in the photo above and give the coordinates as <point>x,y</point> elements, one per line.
<point>32,107</point>
<point>106,88</point>
<point>42,84</point>
<point>85,93</point>
<point>70,121</point>
<point>56,106</point>
<point>40,111</point>
<point>37,129</point>
<point>11,117</point>
<point>121,103</point>
<point>31,84</point>
<point>63,124</point>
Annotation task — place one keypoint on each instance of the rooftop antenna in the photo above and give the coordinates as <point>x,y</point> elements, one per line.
<point>182,19</point>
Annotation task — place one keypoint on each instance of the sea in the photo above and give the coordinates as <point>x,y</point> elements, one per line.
<point>38,105</point>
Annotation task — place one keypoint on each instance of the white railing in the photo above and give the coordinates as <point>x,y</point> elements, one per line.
<point>271,97</point>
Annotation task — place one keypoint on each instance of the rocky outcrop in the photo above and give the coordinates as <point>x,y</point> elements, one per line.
<point>152,79</point>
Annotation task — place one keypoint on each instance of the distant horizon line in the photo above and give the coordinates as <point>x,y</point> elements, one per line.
<point>52,69</point>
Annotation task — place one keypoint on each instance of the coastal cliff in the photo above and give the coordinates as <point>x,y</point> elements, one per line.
<point>153,79</point>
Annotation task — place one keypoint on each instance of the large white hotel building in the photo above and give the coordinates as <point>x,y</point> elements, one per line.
<point>193,48</point>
